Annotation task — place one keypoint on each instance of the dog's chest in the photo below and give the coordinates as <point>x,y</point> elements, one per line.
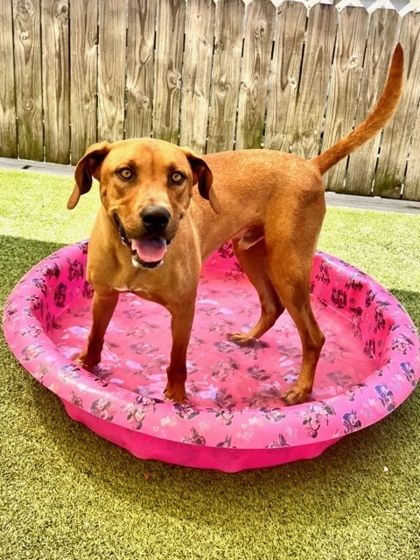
<point>144,288</point>
<point>121,288</point>
<point>141,291</point>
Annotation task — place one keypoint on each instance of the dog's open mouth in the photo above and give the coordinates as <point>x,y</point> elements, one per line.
<point>146,252</point>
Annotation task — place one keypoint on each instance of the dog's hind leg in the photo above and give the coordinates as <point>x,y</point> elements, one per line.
<point>290,274</point>
<point>253,260</point>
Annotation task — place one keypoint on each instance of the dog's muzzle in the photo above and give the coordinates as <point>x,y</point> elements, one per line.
<point>149,250</point>
<point>155,219</point>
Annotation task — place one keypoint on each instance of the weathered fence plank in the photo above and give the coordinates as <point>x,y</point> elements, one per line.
<point>139,87</point>
<point>198,57</point>
<point>261,16</point>
<point>84,76</point>
<point>345,81</point>
<point>284,79</point>
<point>111,69</point>
<point>410,38</point>
<point>226,75</point>
<point>390,172</point>
<point>412,180</point>
<point>28,76</point>
<point>56,79</point>
<point>170,25</point>
<point>316,68</point>
<point>383,34</point>
<point>8,137</point>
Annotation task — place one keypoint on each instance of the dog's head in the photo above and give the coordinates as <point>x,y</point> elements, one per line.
<point>146,186</point>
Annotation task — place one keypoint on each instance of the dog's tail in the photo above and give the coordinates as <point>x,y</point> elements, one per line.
<point>381,114</point>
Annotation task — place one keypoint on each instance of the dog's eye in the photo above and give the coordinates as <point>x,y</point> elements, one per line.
<point>126,174</point>
<point>177,178</point>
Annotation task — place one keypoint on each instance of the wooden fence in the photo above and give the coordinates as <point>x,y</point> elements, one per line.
<point>212,75</point>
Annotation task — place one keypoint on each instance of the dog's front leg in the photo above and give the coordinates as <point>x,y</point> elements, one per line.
<point>181,325</point>
<point>103,307</point>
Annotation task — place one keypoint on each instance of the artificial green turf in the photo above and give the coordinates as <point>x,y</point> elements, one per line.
<point>67,494</point>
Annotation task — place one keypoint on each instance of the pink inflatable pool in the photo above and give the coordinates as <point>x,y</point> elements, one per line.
<point>235,418</point>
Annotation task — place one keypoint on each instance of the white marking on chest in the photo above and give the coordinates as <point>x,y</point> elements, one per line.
<point>121,289</point>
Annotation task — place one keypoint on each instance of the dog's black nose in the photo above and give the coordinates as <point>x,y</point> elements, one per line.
<point>155,219</point>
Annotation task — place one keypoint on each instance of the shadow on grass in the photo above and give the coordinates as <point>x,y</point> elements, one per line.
<point>17,257</point>
<point>411,303</point>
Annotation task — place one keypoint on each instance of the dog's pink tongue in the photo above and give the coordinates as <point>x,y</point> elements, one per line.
<point>149,250</point>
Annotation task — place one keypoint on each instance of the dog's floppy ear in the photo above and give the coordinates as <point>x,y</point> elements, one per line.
<point>87,168</point>
<point>204,178</point>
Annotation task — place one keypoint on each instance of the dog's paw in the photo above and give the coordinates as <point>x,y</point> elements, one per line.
<point>241,338</point>
<point>296,395</point>
<point>84,361</point>
<point>175,395</point>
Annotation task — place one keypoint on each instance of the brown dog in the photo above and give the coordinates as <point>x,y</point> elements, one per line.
<point>153,231</point>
